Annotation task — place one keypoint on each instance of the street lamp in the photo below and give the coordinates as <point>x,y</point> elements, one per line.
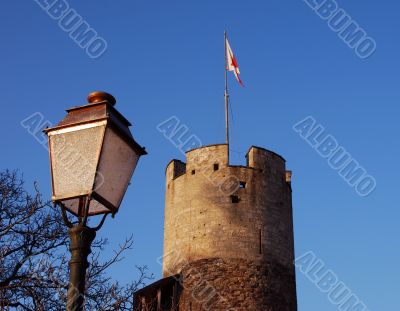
<point>92,158</point>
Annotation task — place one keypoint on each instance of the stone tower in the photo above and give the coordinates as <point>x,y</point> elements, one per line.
<point>228,232</point>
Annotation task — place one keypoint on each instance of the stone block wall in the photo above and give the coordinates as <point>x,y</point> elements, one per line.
<point>237,285</point>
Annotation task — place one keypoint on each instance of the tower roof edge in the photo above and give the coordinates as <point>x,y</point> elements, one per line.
<point>266,150</point>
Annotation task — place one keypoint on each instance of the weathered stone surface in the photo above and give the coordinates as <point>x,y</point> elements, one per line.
<point>237,284</point>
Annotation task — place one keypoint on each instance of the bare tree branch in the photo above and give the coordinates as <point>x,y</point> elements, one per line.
<point>33,263</point>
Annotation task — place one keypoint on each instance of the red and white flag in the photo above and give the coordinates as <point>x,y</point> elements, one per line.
<point>232,64</point>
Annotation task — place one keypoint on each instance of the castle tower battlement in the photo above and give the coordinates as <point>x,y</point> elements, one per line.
<point>231,226</point>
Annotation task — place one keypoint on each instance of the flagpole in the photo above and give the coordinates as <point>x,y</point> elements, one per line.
<point>226,97</point>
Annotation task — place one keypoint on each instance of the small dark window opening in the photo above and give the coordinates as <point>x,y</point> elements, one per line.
<point>193,172</point>
<point>242,184</point>
<point>235,199</point>
<point>216,167</point>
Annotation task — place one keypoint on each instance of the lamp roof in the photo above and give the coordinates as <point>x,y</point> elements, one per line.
<point>100,107</point>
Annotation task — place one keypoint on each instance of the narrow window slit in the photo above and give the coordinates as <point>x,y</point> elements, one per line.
<point>235,199</point>
<point>216,167</point>
<point>193,172</point>
<point>242,184</point>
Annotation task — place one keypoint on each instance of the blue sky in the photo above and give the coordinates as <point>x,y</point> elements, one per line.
<point>165,58</point>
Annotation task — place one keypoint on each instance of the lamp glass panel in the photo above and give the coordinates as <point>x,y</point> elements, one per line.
<point>117,162</point>
<point>96,207</point>
<point>72,205</point>
<point>74,157</point>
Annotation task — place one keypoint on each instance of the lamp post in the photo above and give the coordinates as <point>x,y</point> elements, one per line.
<point>92,158</point>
